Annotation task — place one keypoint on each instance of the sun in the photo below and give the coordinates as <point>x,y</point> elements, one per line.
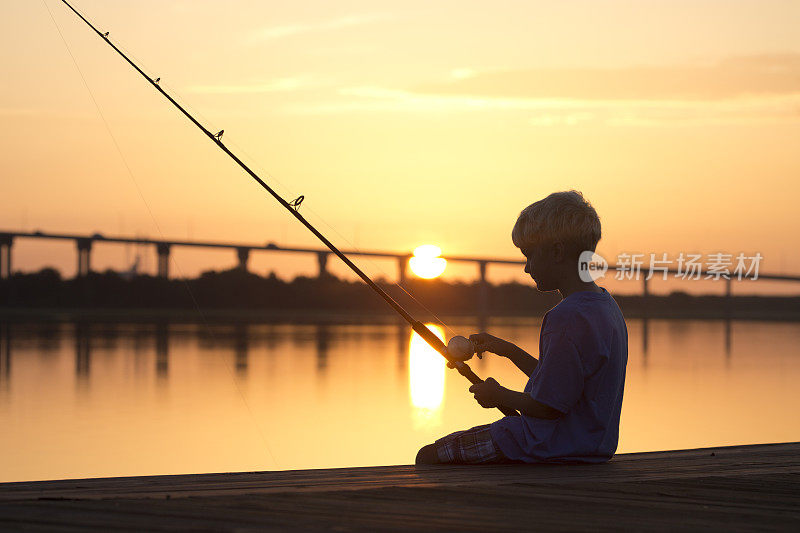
<point>426,262</point>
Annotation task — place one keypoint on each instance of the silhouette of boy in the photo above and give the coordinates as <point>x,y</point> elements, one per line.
<point>571,405</point>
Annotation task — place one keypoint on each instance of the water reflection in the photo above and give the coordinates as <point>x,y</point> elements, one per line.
<point>136,399</point>
<point>645,340</point>
<point>162,350</point>
<point>241,344</point>
<point>728,338</point>
<point>402,347</point>
<point>426,376</point>
<point>323,338</point>
<point>5,354</point>
<point>83,351</point>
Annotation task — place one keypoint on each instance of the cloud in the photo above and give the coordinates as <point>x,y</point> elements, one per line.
<point>44,112</point>
<point>561,119</point>
<point>462,73</point>
<point>347,21</point>
<point>277,85</point>
<point>22,111</point>
<point>546,112</point>
<point>767,74</point>
<point>743,90</point>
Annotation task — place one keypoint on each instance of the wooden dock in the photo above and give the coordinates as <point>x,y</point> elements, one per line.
<point>731,488</point>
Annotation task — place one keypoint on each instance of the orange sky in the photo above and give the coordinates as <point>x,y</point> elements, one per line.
<point>404,123</point>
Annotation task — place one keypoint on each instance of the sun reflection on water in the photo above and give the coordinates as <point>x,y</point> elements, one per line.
<point>426,378</point>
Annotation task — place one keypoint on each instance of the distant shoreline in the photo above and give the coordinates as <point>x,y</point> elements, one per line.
<point>322,316</point>
<point>240,296</point>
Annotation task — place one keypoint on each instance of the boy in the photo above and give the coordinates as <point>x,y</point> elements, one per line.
<point>571,404</point>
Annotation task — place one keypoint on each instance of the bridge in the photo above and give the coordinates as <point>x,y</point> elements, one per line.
<point>84,244</point>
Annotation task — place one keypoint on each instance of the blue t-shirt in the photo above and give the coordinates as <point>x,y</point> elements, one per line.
<point>583,351</point>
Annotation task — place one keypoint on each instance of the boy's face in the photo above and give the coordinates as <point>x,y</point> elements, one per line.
<point>540,265</point>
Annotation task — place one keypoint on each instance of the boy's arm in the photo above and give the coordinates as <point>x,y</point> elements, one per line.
<point>526,405</point>
<point>484,342</point>
<point>522,359</point>
<point>491,394</point>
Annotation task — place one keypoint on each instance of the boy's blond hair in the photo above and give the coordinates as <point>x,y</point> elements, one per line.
<point>561,217</point>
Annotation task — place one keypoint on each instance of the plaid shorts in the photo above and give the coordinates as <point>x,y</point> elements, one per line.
<point>471,446</point>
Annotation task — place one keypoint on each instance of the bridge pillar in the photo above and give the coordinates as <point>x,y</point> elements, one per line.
<point>6,242</point>
<point>84,257</point>
<point>162,249</point>
<point>645,297</point>
<point>483,290</point>
<point>244,256</point>
<point>322,262</point>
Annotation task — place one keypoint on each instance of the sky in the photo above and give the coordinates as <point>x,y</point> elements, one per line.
<point>402,123</point>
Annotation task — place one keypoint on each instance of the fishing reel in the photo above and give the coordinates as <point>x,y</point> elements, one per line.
<point>461,348</point>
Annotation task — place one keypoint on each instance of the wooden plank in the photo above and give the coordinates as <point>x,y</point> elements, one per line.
<point>739,488</point>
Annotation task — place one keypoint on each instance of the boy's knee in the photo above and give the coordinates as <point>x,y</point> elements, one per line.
<point>427,455</point>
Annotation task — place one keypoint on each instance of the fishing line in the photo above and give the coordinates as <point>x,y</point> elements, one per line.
<point>252,161</point>
<point>364,259</point>
<point>286,189</point>
<point>158,228</point>
<point>294,209</point>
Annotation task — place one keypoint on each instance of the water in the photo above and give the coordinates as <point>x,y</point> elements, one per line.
<point>125,399</point>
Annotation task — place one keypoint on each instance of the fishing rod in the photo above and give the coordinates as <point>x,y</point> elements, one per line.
<point>294,208</point>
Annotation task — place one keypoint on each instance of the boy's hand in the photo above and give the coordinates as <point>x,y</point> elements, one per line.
<point>489,343</point>
<point>487,394</point>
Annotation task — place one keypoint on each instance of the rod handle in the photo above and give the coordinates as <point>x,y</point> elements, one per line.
<point>467,372</point>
